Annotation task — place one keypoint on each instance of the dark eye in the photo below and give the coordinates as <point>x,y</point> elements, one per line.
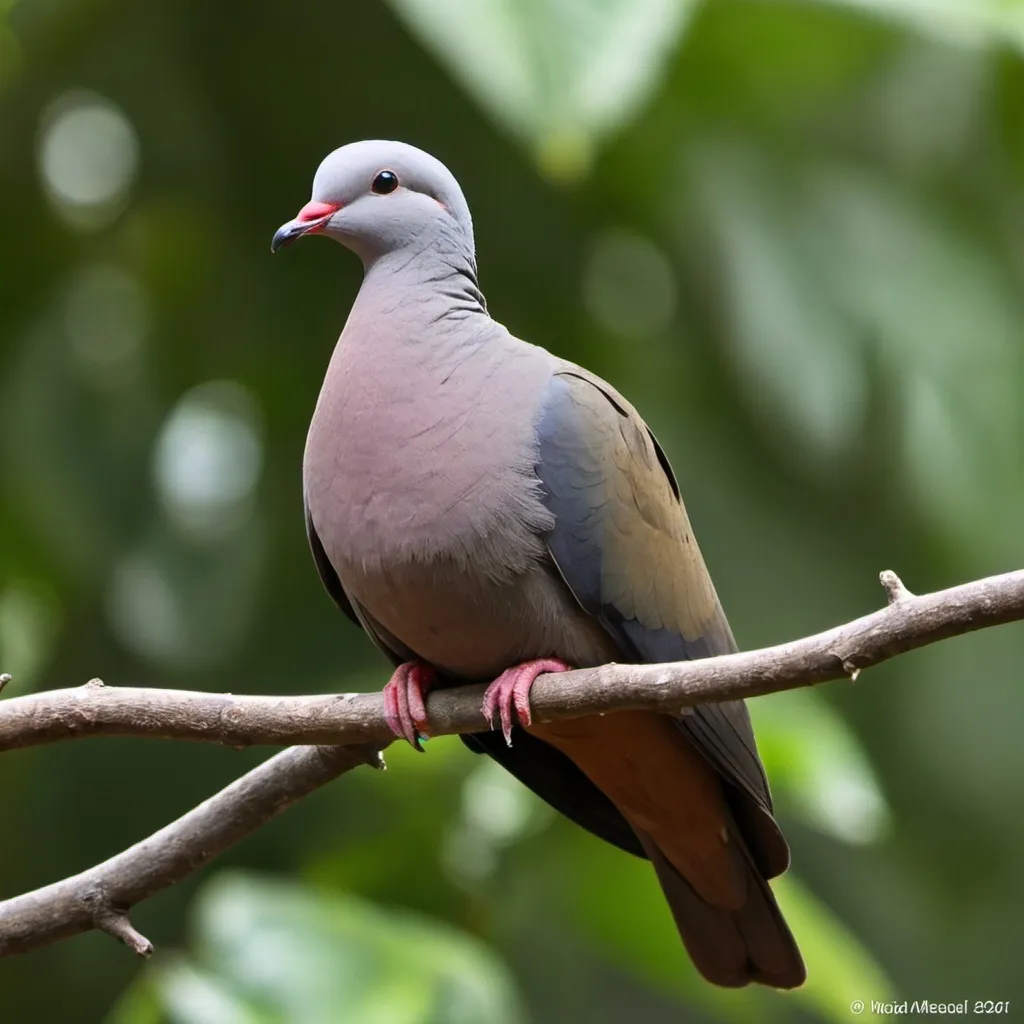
<point>385,182</point>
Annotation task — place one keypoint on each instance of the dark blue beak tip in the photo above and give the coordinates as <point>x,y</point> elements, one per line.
<point>283,236</point>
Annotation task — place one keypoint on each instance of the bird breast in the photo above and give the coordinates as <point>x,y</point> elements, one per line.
<point>420,478</point>
<point>412,456</point>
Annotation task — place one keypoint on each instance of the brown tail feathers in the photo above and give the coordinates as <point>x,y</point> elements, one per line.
<point>732,947</point>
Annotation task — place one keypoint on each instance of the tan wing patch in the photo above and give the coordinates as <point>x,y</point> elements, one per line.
<point>652,568</point>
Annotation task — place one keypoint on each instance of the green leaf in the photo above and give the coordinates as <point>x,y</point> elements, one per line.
<point>829,270</point>
<point>30,620</point>
<point>796,357</point>
<point>559,74</point>
<point>637,931</point>
<point>270,952</point>
<point>618,904</point>
<point>961,22</point>
<point>10,53</point>
<point>185,994</point>
<point>817,767</point>
<point>840,970</point>
<point>944,316</point>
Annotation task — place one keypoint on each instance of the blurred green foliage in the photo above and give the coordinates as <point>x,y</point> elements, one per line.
<point>790,232</point>
<point>269,951</point>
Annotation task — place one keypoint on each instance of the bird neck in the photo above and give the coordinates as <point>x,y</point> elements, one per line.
<point>436,270</point>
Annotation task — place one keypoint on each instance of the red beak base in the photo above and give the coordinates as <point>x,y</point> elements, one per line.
<point>311,218</point>
<point>318,211</point>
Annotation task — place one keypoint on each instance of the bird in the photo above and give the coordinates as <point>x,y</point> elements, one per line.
<point>489,512</point>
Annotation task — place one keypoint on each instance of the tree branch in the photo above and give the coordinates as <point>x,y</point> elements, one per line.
<point>101,896</point>
<point>909,621</point>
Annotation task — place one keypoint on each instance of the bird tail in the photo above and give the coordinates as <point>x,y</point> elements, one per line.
<point>731,947</point>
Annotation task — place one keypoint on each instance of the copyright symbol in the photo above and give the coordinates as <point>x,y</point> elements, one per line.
<point>857,1006</point>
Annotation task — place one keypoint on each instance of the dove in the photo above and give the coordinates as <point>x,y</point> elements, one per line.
<point>488,512</point>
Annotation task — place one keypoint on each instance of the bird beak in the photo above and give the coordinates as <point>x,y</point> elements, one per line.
<point>311,219</point>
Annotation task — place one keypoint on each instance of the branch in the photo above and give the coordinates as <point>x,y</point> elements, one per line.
<point>101,896</point>
<point>907,622</point>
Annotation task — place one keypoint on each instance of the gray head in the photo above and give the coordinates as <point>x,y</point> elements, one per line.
<point>382,197</point>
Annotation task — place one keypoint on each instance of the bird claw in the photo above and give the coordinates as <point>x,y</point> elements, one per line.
<point>405,705</point>
<point>512,690</point>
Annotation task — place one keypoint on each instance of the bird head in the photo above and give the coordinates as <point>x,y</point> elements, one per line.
<point>379,197</point>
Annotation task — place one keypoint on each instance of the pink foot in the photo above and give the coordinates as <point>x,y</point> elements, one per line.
<point>512,689</point>
<point>404,704</point>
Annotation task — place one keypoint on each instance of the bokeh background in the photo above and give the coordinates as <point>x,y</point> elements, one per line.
<point>790,232</point>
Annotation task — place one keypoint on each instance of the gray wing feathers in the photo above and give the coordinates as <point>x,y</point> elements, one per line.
<point>623,544</point>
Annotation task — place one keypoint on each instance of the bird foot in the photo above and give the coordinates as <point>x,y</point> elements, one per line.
<point>512,690</point>
<point>404,701</point>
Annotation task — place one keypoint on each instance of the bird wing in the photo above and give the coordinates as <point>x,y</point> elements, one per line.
<point>623,544</point>
<point>692,787</point>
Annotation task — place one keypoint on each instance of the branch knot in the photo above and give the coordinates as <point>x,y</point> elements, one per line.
<point>894,587</point>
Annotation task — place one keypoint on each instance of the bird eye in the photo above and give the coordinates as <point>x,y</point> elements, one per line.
<point>385,182</point>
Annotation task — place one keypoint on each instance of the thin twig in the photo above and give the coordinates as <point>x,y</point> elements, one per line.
<point>117,924</point>
<point>893,586</point>
<point>907,622</point>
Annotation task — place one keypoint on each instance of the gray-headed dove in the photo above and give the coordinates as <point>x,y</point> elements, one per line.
<point>489,512</point>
